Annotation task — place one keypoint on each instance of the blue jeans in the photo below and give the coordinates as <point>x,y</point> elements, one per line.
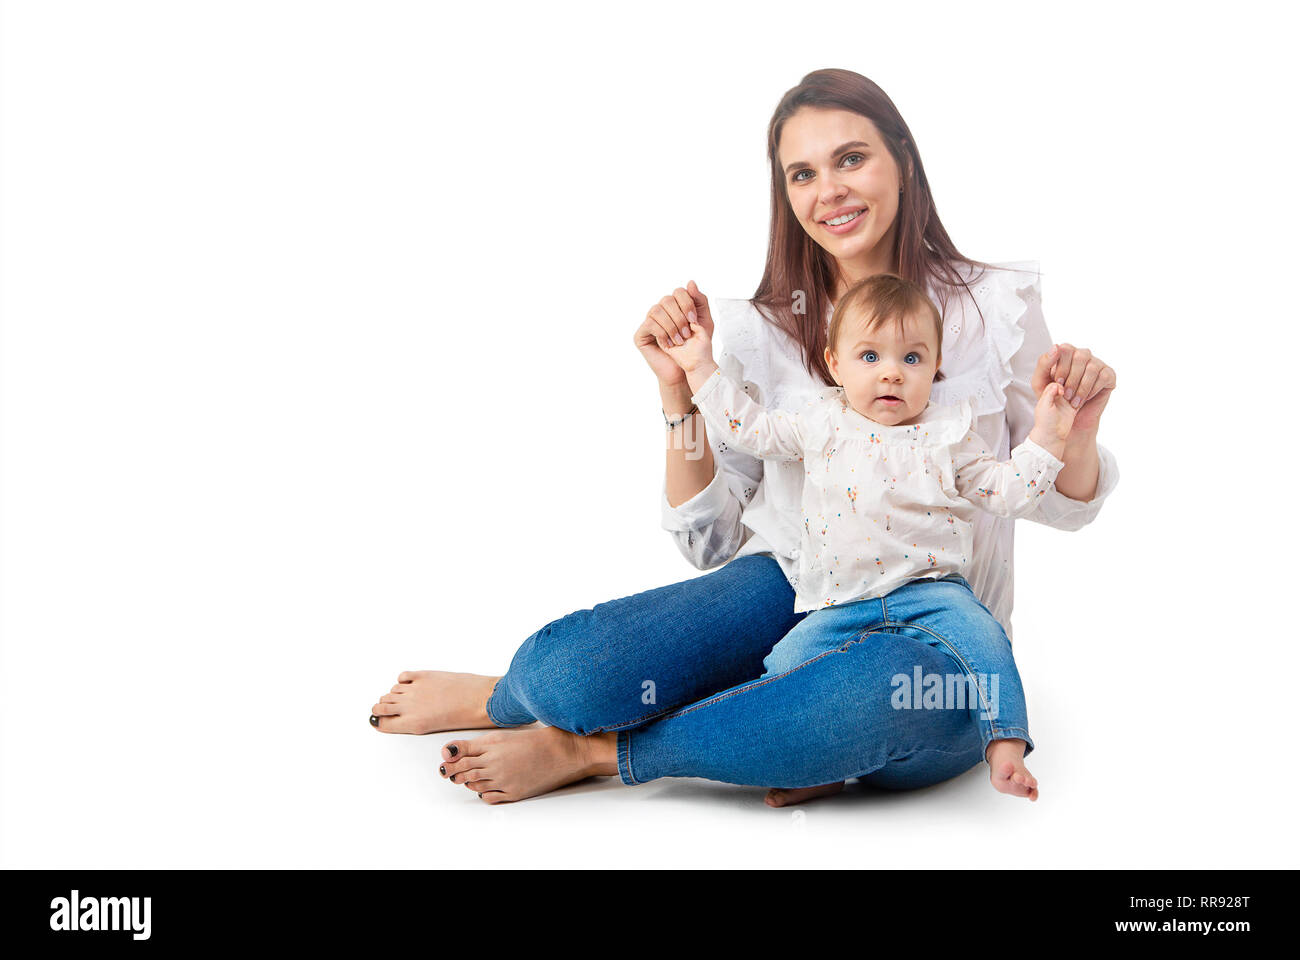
<point>945,614</point>
<point>679,672</point>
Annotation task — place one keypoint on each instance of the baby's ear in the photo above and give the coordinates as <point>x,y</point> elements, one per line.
<point>832,365</point>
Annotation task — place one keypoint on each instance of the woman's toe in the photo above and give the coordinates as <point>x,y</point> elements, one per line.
<point>454,749</point>
<point>461,769</point>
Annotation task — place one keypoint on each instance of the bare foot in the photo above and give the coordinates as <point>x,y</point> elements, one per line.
<point>1007,769</point>
<point>779,797</point>
<point>426,701</point>
<point>511,765</point>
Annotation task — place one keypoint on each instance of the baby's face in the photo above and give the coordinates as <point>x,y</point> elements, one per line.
<point>886,377</point>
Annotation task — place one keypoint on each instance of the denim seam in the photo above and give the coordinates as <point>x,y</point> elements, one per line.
<point>487,708</point>
<point>625,759</point>
<point>909,754</point>
<point>755,684</point>
<point>1017,733</point>
<point>993,726</point>
<point>667,711</point>
<point>611,727</point>
<point>487,704</point>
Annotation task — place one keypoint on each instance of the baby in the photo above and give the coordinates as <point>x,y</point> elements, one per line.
<point>891,485</point>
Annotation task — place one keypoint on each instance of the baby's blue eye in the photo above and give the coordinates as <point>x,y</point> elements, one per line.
<point>869,356</point>
<point>913,358</point>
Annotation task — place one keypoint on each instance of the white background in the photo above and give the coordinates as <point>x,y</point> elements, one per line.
<point>317,366</point>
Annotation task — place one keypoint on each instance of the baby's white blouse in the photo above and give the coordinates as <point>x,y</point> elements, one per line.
<point>753,507</point>
<point>882,505</point>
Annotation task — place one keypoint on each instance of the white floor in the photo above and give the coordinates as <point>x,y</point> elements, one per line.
<point>144,723</point>
<point>292,780</point>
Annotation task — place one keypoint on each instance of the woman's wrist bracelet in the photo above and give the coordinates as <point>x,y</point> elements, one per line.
<point>670,424</point>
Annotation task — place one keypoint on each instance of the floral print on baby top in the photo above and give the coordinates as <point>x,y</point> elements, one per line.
<point>882,505</point>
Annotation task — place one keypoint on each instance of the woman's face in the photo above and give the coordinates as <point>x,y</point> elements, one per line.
<point>835,162</point>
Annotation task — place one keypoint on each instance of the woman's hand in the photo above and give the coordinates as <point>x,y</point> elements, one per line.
<point>667,324</point>
<point>1086,379</point>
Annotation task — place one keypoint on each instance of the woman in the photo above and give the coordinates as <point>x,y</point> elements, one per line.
<point>669,682</point>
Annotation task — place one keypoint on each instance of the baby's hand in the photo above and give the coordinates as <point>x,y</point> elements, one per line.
<point>695,351</point>
<point>1053,418</point>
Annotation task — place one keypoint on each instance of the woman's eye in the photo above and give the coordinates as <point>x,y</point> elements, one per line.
<point>869,356</point>
<point>799,177</point>
<point>912,358</point>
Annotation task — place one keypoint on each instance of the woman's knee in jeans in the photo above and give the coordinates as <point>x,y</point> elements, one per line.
<point>563,674</point>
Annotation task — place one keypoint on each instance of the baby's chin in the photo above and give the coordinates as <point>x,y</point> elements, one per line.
<point>887,415</point>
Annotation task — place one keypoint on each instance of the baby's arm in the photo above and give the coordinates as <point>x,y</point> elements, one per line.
<point>1013,488</point>
<point>730,412</point>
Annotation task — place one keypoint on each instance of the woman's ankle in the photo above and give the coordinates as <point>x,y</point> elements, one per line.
<point>601,750</point>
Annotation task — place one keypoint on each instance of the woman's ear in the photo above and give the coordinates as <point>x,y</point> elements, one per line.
<point>907,168</point>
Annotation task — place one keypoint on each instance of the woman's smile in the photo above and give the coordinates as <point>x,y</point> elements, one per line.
<point>845,222</point>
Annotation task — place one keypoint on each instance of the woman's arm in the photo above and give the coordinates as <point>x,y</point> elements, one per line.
<point>1078,478</point>
<point>689,460</point>
<point>1087,382</point>
<point>698,505</point>
<point>703,515</point>
<point>1090,472</point>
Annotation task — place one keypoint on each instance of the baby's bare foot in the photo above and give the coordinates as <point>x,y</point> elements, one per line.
<point>1007,769</point>
<point>780,797</point>
<point>426,701</point>
<point>511,765</point>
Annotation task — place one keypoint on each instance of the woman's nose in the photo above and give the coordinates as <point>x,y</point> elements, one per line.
<point>832,191</point>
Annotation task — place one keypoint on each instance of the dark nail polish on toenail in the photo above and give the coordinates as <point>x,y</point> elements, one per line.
<point>453,749</point>
<point>374,721</point>
<point>443,771</point>
<point>453,778</point>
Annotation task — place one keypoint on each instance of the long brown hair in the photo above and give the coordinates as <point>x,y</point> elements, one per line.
<point>923,251</point>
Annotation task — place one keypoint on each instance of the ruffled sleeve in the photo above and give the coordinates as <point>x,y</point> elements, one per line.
<point>1018,294</point>
<point>1008,303</point>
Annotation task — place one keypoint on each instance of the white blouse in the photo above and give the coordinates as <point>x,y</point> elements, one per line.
<point>752,508</point>
<point>882,504</point>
